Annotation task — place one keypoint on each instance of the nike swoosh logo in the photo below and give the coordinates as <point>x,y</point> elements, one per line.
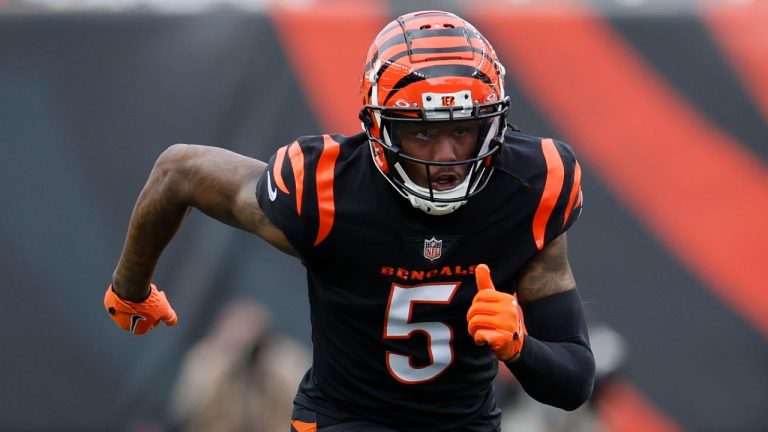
<point>134,321</point>
<point>272,192</point>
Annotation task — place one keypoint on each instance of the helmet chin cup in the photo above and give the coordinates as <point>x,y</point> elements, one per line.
<point>454,197</point>
<point>437,209</point>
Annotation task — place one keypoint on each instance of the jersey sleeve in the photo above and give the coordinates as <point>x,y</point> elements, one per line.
<point>561,198</point>
<point>293,190</point>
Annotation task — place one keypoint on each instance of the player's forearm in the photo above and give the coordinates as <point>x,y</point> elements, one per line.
<point>556,374</point>
<point>157,215</point>
<point>556,365</point>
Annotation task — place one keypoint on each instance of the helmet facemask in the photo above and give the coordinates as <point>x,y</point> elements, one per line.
<point>397,164</point>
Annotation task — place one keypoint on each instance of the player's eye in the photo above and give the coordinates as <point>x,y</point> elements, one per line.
<point>461,131</point>
<point>426,134</point>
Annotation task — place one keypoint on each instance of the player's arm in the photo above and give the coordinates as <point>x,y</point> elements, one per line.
<point>550,354</point>
<point>218,182</point>
<point>555,365</point>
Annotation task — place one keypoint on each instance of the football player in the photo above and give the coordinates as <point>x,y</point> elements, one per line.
<point>434,242</point>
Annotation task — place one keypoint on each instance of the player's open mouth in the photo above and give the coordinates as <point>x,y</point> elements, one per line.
<point>445,181</point>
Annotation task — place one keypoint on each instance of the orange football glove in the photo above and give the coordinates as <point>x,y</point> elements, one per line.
<point>495,318</point>
<point>140,317</point>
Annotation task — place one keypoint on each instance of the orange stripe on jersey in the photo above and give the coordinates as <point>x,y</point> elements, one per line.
<point>552,187</point>
<point>278,170</point>
<point>296,157</point>
<point>325,173</point>
<point>575,198</point>
<point>300,426</point>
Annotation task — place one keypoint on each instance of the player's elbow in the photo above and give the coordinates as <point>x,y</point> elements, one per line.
<point>581,384</point>
<point>169,174</point>
<point>558,374</point>
<point>578,398</point>
<point>172,159</point>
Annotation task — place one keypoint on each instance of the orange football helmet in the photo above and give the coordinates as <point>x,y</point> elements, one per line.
<point>432,66</point>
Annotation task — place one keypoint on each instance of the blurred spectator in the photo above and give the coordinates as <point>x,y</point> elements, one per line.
<point>522,413</point>
<point>241,377</point>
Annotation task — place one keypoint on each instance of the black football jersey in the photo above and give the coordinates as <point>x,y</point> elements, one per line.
<point>390,286</point>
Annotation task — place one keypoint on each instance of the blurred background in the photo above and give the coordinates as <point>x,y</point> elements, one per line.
<point>664,102</point>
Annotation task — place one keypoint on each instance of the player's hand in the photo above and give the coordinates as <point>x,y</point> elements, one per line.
<point>495,318</point>
<point>139,317</point>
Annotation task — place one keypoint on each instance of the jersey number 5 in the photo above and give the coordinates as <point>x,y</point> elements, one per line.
<point>399,326</point>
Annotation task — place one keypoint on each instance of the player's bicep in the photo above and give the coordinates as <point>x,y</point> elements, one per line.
<point>222,184</point>
<point>547,273</point>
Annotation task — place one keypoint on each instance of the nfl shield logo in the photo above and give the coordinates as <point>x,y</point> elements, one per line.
<point>433,248</point>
